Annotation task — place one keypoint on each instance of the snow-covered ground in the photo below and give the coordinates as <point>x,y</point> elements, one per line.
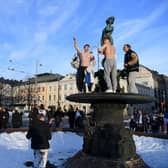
<point>154,151</point>
<point>15,149</point>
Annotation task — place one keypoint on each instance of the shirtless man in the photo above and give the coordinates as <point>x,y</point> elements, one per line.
<point>110,72</point>
<point>85,60</point>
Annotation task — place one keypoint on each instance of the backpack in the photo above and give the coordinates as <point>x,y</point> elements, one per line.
<point>75,61</point>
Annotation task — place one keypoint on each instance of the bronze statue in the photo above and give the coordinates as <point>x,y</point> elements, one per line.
<point>107,31</point>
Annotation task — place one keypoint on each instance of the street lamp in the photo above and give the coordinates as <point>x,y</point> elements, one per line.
<point>37,65</point>
<point>36,73</point>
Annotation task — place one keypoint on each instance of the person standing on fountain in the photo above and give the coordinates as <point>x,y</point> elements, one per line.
<point>131,65</point>
<point>110,72</point>
<point>86,58</point>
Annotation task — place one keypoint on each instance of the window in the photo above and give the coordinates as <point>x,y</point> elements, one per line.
<point>65,87</point>
<point>59,88</point>
<point>43,98</point>
<point>71,86</point>
<point>49,97</point>
<point>64,97</point>
<point>145,82</point>
<point>38,89</point>
<point>50,88</point>
<point>43,89</point>
<point>54,97</point>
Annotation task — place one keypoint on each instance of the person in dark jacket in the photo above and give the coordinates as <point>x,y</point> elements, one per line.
<point>58,115</point>
<point>71,115</point>
<point>40,134</point>
<point>133,124</point>
<point>50,113</point>
<point>155,124</point>
<point>161,121</point>
<point>131,66</point>
<point>4,117</point>
<point>78,118</point>
<point>16,119</point>
<point>166,120</point>
<point>145,123</point>
<point>33,115</point>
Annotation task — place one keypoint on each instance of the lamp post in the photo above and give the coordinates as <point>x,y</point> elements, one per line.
<point>36,82</point>
<point>37,65</point>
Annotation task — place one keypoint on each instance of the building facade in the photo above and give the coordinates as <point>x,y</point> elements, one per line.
<point>158,83</point>
<point>48,92</point>
<point>52,90</point>
<point>5,94</point>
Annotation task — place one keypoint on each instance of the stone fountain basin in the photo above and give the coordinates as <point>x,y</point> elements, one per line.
<point>115,98</point>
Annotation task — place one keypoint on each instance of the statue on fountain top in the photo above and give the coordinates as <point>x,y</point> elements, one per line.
<point>107,31</point>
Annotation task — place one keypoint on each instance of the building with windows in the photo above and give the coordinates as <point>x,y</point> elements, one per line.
<point>158,84</point>
<point>40,90</point>
<point>49,91</point>
<point>5,94</point>
<point>52,89</point>
<point>67,86</point>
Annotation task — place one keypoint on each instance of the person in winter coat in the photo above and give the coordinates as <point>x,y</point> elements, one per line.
<point>161,121</point>
<point>78,118</point>
<point>166,120</point>
<point>33,115</point>
<point>133,124</point>
<point>50,113</point>
<point>58,115</point>
<point>140,122</point>
<point>145,123</point>
<point>16,119</point>
<point>71,115</point>
<point>40,134</point>
<point>42,110</point>
<point>155,124</point>
<point>4,117</point>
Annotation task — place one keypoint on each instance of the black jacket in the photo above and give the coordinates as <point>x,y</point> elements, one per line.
<point>4,116</point>
<point>40,134</point>
<point>127,58</point>
<point>17,119</point>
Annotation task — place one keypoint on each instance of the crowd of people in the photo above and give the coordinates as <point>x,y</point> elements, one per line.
<point>74,117</point>
<point>54,117</point>
<point>150,123</point>
<point>16,120</point>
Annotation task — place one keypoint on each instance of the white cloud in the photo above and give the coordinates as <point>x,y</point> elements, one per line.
<point>50,27</point>
<point>5,46</point>
<point>20,1</point>
<point>17,55</point>
<point>40,37</point>
<point>154,55</point>
<point>131,27</point>
<point>59,19</point>
<point>49,10</point>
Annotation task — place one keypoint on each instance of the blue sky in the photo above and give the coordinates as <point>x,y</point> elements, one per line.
<point>42,30</point>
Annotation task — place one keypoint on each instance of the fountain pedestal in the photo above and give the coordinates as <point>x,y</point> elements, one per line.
<point>109,139</point>
<point>109,143</point>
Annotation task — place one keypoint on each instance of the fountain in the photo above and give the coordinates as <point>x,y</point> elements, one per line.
<point>109,144</point>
